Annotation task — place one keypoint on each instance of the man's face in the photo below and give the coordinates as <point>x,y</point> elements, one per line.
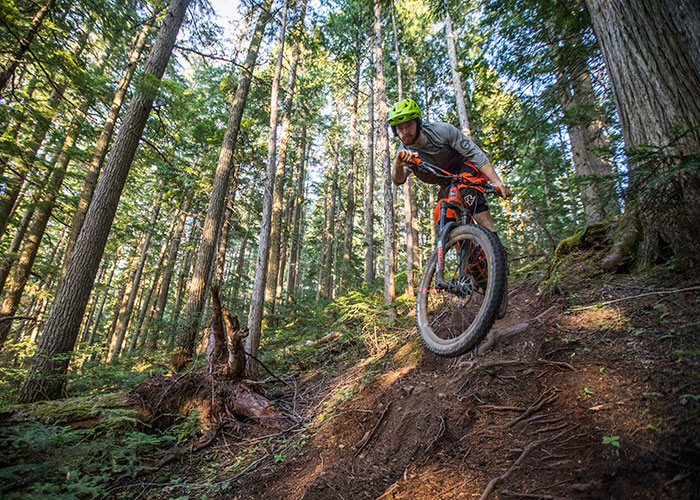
<point>407,132</point>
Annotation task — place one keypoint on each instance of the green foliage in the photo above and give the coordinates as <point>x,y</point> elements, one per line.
<point>365,324</point>
<point>187,426</point>
<point>612,441</point>
<point>52,460</point>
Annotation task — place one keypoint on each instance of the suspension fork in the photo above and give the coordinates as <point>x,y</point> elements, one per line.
<point>445,230</point>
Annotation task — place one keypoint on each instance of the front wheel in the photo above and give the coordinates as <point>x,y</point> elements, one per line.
<point>454,314</point>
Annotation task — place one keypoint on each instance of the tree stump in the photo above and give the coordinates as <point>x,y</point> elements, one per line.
<point>218,390</point>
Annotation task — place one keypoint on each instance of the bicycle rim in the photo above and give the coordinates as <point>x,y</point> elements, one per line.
<point>453,316</point>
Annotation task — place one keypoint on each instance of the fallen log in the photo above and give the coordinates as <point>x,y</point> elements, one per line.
<point>324,340</point>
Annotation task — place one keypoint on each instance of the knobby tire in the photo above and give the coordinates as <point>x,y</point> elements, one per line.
<point>449,323</point>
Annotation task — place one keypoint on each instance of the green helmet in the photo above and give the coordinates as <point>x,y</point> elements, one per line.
<point>404,111</point>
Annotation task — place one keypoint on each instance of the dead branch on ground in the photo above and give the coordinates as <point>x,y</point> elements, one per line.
<point>496,336</point>
<point>368,436</point>
<point>526,451</point>
<point>657,292</point>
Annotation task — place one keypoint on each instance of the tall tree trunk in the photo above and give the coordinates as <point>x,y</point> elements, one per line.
<point>299,210</point>
<point>651,50</point>
<point>409,193</point>
<point>368,201</point>
<point>46,375</point>
<point>345,271</point>
<point>169,266</point>
<point>30,249</point>
<point>389,235</point>
<point>189,324</point>
<point>456,80</point>
<point>276,224</point>
<point>258,298</point>
<point>123,324</point>
<point>17,54</point>
<point>327,263</point>
<point>102,145</point>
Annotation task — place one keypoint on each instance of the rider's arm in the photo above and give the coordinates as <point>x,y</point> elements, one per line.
<point>488,170</point>
<point>401,166</point>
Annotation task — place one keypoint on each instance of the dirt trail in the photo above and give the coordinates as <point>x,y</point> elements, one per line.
<point>587,404</point>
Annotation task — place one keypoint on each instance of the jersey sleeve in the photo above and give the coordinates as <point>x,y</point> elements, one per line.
<point>461,143</point>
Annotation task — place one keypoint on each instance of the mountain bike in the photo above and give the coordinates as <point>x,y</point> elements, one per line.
<point>463,283</point>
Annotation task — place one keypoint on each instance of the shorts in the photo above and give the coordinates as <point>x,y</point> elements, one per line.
<point>474,200</point>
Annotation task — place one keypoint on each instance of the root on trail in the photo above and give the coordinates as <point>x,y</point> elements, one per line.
<point>495,336</point>
<point>526,451</point>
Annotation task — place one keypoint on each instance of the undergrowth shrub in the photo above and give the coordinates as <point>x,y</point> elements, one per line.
<point>366,327</point>
<point>50,460</point>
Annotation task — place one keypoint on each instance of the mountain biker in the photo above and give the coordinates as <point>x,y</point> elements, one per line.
<point>443,145</point>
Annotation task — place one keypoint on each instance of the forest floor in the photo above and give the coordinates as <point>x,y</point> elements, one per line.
<point>599,398</point>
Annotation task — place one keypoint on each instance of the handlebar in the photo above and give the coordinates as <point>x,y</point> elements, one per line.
<point>439,172</point>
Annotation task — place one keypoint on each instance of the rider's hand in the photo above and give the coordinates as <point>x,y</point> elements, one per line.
<point>405,158</point>
<point>503,190</point>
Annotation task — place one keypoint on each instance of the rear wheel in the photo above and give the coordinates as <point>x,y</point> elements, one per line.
<point>454,315</point>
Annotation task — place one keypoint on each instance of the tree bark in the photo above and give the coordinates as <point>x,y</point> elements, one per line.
<point>102,145</point>
<point>276,224</point>
<point>456,79</point>
<point>189,324</point>
<point>46,375</point>
<point>368,201</point>
<point>651,51</point>
<point>258,298</point>
<point>389,235</point>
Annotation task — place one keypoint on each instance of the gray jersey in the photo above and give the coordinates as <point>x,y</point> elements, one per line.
<point>448,148</point>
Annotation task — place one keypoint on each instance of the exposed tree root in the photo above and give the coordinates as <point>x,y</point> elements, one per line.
<point>657,292</point>
<point>496,336</point>
<point>368,436</point>
<point>526,451</point>
<point>547,397</point>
